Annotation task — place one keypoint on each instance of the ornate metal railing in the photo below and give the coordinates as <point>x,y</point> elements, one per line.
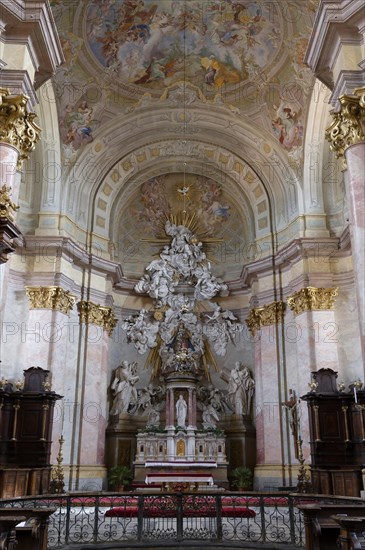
<point>231,517</point>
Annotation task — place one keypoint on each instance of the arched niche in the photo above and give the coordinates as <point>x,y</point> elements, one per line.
<point>222,140</point>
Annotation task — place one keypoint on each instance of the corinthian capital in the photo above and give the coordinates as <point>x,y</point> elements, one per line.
<point>17,126</point>
<point>348,126</point>
<point>270,314</point>
<point>50,297</point>
<point>312,298</point>
<point>95,314</point>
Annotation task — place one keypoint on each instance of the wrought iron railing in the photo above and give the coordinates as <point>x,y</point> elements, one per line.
<point>116,518</point>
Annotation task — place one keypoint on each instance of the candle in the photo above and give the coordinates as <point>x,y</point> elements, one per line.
<point>63,416</point>
<point>355,394</point>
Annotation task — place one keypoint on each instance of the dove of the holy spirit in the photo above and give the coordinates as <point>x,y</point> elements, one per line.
<point>184,190</point>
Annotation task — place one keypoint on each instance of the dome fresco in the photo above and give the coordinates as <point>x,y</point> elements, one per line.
<point>156,70</point>
<point>212,44</point>
<point>249,53</point>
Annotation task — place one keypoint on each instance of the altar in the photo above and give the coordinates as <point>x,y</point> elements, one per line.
<point>181,441</point>
<point>169,480</point>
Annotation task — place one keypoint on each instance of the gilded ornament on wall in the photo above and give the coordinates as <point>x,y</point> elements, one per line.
<point>17,126</point>
<point>264,316</point>
<point>50,297</point>
<point>312,298</point>
<point>348,126</point>
<point>7,206</point>
<point>95,314</point>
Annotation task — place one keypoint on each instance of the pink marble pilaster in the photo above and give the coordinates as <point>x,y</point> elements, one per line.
<point>269,402</point>
<point>43,342</point>
<point>167,407</point>
<point>355,157</point>
<point>93,407</point>
<point>172,407</point>
<point>190,407</point>
<point>194,408</point>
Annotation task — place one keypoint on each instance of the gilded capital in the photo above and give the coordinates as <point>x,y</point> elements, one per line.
<point>50,297</point>
<point>270,314</point>
<point>7,207</point>
<point>311,299</point>
<point>17,126</point>
<point>348,126</point>
<point>95,314</point>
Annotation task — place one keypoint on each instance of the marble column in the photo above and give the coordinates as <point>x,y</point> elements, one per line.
<point>194,408</point>
<point>347,138</point>
<point>172,407</point>
<point>355,157</point>
<point>167,407</point>
<point>313,331</point>
<point>96,325</point>
<point>190,408</point>
<point>265,323</point>
<point>46,342</point>
<point>18,136</point>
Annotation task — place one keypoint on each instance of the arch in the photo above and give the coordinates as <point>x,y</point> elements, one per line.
<point>122,153</point>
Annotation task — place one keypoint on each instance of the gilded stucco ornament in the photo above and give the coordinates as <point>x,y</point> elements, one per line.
<point>312,298</point>
<point>264,316</point>
<point>50,297</point>
<point>348,126</point>
<point>95,314</point>
<point>17,126</point>
<point>7,206</point>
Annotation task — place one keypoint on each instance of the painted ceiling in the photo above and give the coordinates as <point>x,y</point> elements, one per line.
<point>246,53</point>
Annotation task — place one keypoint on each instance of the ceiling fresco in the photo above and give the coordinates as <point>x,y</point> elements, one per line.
<point>249,52</point>
<point>122,56</point>
<point>155,44</point>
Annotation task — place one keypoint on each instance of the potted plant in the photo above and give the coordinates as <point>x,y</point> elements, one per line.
<point>119,477</point>
<point>242,478</point>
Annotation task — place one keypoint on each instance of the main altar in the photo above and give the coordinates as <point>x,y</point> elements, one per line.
<point>174,430</point>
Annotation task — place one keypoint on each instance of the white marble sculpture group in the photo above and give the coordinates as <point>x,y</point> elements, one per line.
<point>177,281</point>
<point>182,263</point>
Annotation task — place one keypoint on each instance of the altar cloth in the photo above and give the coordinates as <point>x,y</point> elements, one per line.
<point>179,464</point>
<point>179,478</point>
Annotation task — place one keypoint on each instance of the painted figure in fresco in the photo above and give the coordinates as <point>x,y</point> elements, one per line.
<point>181,410</point>
<point>123,387</point>
<point>240,389</point>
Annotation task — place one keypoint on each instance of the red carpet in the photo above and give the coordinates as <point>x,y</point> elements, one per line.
<point>193,506</point>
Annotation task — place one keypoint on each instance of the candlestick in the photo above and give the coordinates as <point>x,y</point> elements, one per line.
<point>63,416</point>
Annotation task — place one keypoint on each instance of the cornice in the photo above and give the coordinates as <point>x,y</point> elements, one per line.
<point>19,82</point>
<point>66,247</point>
<point>347,81</point>
<point>335,23</point>
<point>31,22</point>
<point>298,248</point>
